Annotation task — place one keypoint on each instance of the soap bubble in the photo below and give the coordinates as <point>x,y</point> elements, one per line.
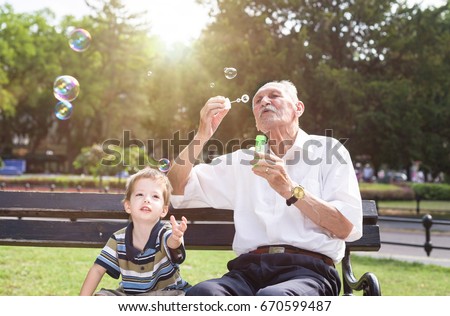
<point>164,165</point>
<point>63,110</point>
<point>230,73</point>
<point>212,84</point>
<point>66,88</point>
<point>79,40</point>
<point>149,73</point>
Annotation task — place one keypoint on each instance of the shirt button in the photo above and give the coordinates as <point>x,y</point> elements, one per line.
<point>142,268</point>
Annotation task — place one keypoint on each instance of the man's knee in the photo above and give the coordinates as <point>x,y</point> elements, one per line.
<point>295,288</point>
<point>206,288</point>
<point>275,291</point>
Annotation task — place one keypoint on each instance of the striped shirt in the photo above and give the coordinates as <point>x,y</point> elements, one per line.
<point>154,268</point>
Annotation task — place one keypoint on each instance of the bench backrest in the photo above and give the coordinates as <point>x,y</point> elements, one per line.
<point>61,219</point>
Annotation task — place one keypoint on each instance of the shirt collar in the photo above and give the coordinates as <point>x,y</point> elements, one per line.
<point>152,242</point>
<point>300,145</point>
<point>301,139</point>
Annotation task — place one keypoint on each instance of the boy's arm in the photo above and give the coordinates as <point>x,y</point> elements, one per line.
<point>92,280</point>
<point>176,238</point>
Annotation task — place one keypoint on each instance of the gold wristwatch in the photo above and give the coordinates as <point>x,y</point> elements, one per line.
<point>298,193</point>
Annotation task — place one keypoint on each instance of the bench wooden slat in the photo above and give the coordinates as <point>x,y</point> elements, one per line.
<point>101,205</point>
<point>86,205</point>
<point>62,213</point>
<point>58,233</point>
<point>61,200</point>
<point>203,214</point>
<point>200,214</point>
<point>94,234</point>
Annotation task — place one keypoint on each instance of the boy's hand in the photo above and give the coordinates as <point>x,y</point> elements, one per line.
<point>178,230</point>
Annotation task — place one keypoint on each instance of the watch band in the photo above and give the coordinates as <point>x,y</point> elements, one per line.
<point>291,200</point>
<point>297,194</point>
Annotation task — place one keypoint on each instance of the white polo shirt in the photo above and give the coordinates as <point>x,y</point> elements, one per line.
<point>261,217</point>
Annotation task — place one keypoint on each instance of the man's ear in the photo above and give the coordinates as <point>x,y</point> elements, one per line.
<point>300,108</point>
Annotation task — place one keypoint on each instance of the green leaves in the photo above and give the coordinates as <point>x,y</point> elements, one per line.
<point>376,72</point>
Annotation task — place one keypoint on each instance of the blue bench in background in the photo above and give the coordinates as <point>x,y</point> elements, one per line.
<point>13,167</point>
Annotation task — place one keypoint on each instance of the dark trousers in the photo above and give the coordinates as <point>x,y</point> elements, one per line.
<point>272,275</point>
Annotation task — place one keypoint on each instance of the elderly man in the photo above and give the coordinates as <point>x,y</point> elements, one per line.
<point>294,205</point>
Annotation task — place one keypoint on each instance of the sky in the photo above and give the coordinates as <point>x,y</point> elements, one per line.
<point>173,20</point>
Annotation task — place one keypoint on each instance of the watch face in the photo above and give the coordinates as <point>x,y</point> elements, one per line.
<point>298,192</point>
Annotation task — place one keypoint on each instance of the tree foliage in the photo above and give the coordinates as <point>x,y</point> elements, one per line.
<point>375,72</point>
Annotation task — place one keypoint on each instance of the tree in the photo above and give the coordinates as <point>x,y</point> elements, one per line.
<point>28,55</point>
<point>114,73</point>
<point>407,95</point>
<point>363,69</point>
<point>312,43</point>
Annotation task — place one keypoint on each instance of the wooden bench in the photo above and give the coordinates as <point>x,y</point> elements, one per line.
<point>86,220</point>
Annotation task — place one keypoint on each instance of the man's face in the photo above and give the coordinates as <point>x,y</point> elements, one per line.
<point>274,107</point>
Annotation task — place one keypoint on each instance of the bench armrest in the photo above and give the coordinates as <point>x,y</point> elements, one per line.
<point>368,282</point>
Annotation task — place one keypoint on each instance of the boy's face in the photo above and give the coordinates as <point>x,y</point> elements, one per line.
<point>146,203</point>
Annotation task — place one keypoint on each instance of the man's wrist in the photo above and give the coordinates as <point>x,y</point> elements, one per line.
<point>297,193</point>
<point>288,193</point>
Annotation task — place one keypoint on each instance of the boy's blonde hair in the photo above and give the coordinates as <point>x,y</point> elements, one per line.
<point>149,173</point>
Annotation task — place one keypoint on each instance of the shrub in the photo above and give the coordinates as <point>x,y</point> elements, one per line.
<point>432,191</point>
<point>381,191</point>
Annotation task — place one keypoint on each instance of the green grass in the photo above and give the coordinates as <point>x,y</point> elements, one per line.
<point>378,186</point>
<point>437,209</point>
<point>60,271</point>
<point>424,205</point>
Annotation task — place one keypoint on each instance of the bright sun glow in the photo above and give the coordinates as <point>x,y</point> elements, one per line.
<point>175,20</point>
<point>172,20</point>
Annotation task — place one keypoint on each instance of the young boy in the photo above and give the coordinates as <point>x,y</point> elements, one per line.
<point>147,252</point>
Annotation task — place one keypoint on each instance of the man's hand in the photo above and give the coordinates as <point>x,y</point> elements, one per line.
<point>211,115</point>
<point>272,168</point>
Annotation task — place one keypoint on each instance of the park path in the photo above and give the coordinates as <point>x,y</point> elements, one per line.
<point>412,234</point>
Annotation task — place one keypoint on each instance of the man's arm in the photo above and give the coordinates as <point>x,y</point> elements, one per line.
<point>211,116</point>
<point>183,164</point>
<point>322,213</point>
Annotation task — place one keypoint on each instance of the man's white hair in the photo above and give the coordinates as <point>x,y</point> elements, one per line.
<point>288,86</point>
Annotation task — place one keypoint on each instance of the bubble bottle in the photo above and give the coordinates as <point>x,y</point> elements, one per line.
<point>260,143</point>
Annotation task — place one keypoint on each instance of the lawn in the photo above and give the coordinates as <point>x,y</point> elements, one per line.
<point>61,271</point>
<point>437,209</point>
<point>411,205</point>
<point>364,186</point>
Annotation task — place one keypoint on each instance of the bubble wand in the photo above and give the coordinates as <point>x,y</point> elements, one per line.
<point>244,98</point>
